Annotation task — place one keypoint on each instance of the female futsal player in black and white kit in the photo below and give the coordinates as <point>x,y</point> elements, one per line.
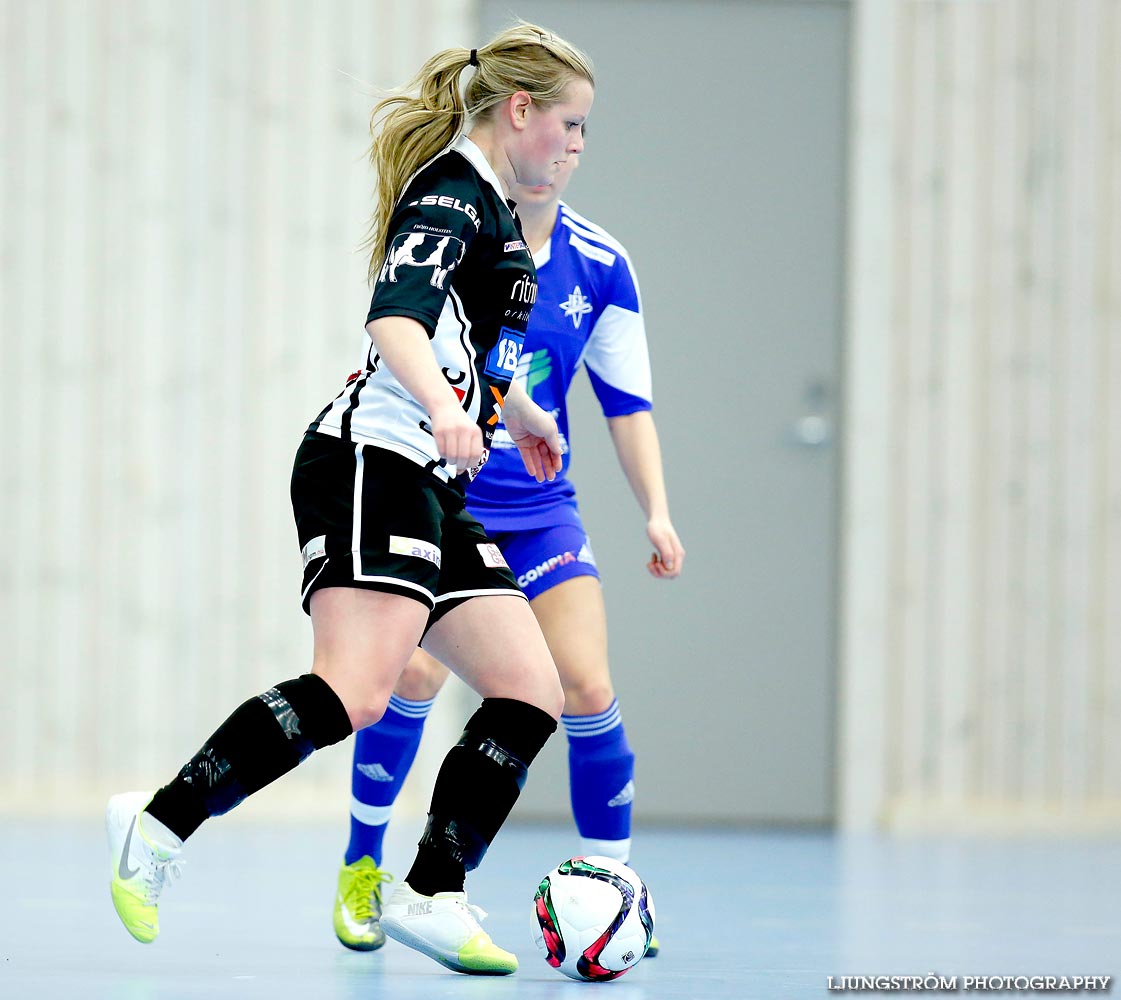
<point>588,315</point>
<point>391,558</point>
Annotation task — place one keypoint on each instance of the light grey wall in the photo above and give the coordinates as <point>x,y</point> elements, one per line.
<point>716,154</point>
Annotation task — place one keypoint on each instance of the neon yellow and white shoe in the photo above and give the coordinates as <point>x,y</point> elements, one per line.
<point>139,868</point>
<point>358,905</point>
<point>654,948</point>
<point>445,927</point>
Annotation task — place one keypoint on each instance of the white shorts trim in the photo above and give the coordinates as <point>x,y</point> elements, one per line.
<point>486,592</point>
<point>356,515</point>
<point>397,582</point>
<point>311,582</point>
<point>356,538</point>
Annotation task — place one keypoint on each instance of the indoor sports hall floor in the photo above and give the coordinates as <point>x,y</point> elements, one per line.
<point>739,915</point>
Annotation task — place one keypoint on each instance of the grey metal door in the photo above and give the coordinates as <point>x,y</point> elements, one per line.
<point>715,152</point>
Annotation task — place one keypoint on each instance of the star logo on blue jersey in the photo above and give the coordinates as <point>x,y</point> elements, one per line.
<point>576,307</point>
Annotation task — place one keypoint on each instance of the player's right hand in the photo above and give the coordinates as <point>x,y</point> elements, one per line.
<point>457,436</point>
<point>669,553</point>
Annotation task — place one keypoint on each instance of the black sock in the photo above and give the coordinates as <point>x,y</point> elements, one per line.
<point>477,786</point>
<point>263,739</point>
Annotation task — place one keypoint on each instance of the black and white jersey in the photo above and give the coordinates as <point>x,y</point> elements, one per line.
<point>456,262</point>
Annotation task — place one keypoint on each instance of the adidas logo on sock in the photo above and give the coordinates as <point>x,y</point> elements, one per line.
<point>625,796</point>
<point>375,772</point>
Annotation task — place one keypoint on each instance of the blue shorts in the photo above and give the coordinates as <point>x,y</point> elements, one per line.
<point>540,558</point>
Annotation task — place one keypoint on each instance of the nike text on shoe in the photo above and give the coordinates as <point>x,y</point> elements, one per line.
<point>358,905</point>
<point>139,870</point>
<point>445,927</point>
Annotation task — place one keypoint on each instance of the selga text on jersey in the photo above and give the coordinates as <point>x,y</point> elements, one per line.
<point>588,312</point>
<point>456,262</point>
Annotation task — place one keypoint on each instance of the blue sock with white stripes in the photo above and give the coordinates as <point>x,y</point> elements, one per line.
<point>383,754</point>
<point>601,780</point>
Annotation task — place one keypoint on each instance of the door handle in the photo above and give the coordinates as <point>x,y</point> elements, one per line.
<point>812,431</point>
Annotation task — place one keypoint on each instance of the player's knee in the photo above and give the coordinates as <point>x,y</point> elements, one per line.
<point>541,689</point>
<point>588,696</point>
<point>364,705</point>
<point>366,712</point>
<point>532,679</point>
<point>422,677</point>
<point>363,684</point>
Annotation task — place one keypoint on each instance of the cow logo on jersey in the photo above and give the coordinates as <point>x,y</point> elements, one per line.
<point>502,362</point>
<point>440,253</point>
<point>576,306</point>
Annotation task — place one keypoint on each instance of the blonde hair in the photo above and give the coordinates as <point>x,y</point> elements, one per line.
<point>411,127</point>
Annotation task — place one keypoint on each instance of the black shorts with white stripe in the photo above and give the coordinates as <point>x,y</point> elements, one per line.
<point>372,519</point>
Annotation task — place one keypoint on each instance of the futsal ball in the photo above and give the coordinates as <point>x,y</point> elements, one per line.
<point>592,918</point>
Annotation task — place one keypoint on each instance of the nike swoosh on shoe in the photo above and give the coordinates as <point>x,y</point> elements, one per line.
<point>352,925</point>
<point>122,868</point>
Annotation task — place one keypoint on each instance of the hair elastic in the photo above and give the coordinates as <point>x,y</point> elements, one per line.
<point>474,60</point>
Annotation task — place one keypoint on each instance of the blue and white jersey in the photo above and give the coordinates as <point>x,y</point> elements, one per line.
<point>587,312</point>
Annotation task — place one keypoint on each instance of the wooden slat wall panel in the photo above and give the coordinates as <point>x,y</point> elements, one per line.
<point>1001,524</point>
<point>182,192</point>
<point>1080,241</point>
<point>999,326</point>
<point>28,577</point>
<point>1107,292</point>
<point>961,448</point>
<point>869,639</point>
<point>1039,403</point>
<point>919,193</point>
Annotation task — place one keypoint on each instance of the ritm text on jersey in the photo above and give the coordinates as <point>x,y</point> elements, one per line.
<point>524,290</point>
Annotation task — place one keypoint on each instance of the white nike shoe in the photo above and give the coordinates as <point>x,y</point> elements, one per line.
<point>445,927</point>
<point>140,869</point>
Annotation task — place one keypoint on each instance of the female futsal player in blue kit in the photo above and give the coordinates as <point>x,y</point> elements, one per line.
<point>587,312</point>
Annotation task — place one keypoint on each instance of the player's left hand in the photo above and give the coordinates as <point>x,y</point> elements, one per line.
<point>534,432</point>
<point>669,553</point>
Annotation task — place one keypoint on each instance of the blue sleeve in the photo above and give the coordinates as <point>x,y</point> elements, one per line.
<point>616,355</point>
